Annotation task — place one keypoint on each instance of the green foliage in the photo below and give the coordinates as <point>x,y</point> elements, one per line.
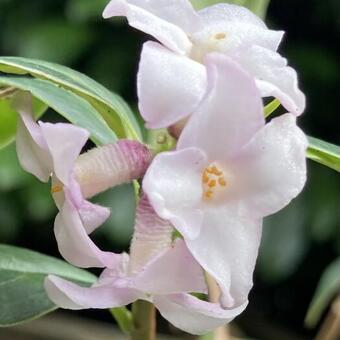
<point>71,106</point>
<point>113,109</point>
<point>259,7</point>
<point>328,286</point>
<point>8,118</point>
<point>324,153</point>
<point>45,38</point>
<point>124,318</point>
<point>279,259</point>
<point>22,274</point>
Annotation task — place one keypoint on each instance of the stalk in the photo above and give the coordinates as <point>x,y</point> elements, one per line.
<point>144,321</point>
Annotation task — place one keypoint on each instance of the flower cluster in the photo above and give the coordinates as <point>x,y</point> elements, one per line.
<point>205,80</point>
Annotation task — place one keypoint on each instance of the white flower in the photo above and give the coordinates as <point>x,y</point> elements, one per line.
<point>172,79</point>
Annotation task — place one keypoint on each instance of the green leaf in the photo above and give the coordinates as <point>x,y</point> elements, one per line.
<point>328,286</point>
<point>324,153</point>
<point>22,274</point>
<point>271,107</point>
<point>45,36</point>
<point>112,107</point>
<point>124,318</point>
<point>68,104</point>
<point>259,7</point>
<point>8,119</point>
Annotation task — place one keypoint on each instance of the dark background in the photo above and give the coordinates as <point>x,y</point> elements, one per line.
<point>298,243</point>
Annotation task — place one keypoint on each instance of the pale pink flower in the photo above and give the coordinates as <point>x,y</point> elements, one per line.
<point>46,150</point>
<point>158,270</point>
<point>172,79</point>
<point>229,170</point>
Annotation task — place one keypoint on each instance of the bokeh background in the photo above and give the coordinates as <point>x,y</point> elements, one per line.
<point>298,243</point>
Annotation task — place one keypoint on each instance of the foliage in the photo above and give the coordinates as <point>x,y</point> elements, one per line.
<point>22,274</point>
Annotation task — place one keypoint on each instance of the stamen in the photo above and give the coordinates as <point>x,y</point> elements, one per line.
<point>213,181</point>
<point>220,36</point>
<point>208,194</point>
<point>56,188</point>
<point>222,181</point>
<point>205,177</point>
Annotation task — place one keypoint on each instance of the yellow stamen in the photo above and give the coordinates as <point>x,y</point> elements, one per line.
<point>222,181</point>
<point>220,36</point>
<point>208,194</point>
<point>213,181</point>
<point>56,188</point>
<point>205,177</point>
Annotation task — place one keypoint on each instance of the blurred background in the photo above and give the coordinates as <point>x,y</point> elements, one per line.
<point>298,244</point>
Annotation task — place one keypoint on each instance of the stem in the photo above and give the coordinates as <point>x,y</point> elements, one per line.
<point>330,329</point>
<point>144,321</point>
<point>220,333</point>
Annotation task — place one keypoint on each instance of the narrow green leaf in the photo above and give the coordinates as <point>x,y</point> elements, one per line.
<point>328,286</point>
<point>68,104</point>
<point>8,119</point>
<point>112,107</point>
<point>22,274</point>
<point>324,153</point>
<point>124,319</point>
<point>259,7</point>
<point>271,107</point>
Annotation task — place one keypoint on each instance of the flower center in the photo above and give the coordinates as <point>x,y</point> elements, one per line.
<point>213,181</point>
<point>207,42</point>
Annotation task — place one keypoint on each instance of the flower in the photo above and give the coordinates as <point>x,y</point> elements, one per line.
<point>229,170</point>
<point>158,270</point>
<point>46,150</point>
<point>187,36</point>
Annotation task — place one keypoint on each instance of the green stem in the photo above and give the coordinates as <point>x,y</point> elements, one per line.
<point>124,319</point>
<point>144,321</point>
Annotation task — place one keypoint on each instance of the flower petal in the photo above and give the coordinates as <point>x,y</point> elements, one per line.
<point>31,146</point>
<point>173,184</point>
<point>73,242</point>
<point>272,167</point>
<point>171,93</point>
<point>64,142</point>
<point>274,77</point>
<point>240,26</point>
<point>192,315</point>
<point>174,271</point>
<point>152,235</point>
<point>229,115</point>
<point>102,168</point>
<point>68,295</point>
<point>227,248</point>
<point>166,20</point>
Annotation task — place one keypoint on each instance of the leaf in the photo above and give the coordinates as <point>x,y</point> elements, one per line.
<point>22,274</point>
<point>259,7</point>
<point>112,107</point>
<point>12,176</point>
<point>8,119</point>
<point>124,318</point>
<point>271,107</point>
<point>44,38</point>
<point>328,286</point>
<point>278,260</point>
<point>68,104</point>
<point>324,153</point>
